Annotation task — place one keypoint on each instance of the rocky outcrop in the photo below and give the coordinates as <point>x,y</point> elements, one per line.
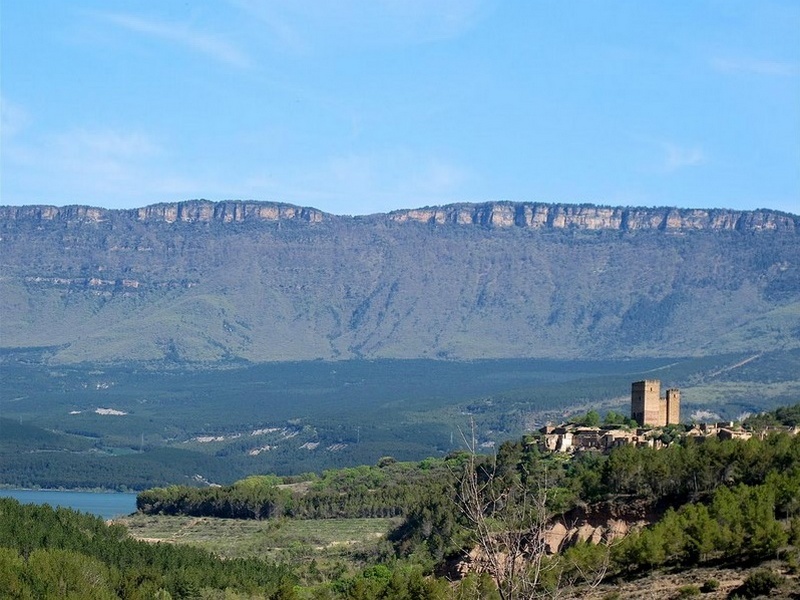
<point>192,211</point>
<point>560,536</point>
<point>600,522</point>
<point>490,214</point>
<point>590,217</point>
<point>53,213</point>
<point>204,211</point>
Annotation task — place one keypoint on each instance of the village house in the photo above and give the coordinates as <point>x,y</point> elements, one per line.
<point>652,413</point>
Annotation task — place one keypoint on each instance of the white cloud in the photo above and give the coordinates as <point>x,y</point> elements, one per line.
<point>299,25</point>
<point>13,118</point>
<point>109,144</point>
<point>205,43</point>
<point>109,159</point>
<point>679,157</point>
<point>102,167</point>
<point>363,184</point>
<point>755,67</point>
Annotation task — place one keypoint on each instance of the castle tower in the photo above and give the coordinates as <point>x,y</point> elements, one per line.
<point>673,402</point>
<point>645,405</point>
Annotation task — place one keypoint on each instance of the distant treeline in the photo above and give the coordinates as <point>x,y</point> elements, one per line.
<point>786,416</point>
<point>386,490</point>
<point>684,471</point>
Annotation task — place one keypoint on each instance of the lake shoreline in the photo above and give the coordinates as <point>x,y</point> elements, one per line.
<point>106,505</point>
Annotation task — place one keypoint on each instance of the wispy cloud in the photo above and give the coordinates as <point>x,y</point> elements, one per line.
<point>111,160</point>
<point>205,43</point>
<point>768,68</point>
<point>280,31</point>
<point>95,166</point>
<point>679,157</point>
<point>13,117</point>
<point>302,25</point>
<point>363,184</point>
<point>110,143</point>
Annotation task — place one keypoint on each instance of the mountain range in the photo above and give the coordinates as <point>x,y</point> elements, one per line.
<point>204,282</point>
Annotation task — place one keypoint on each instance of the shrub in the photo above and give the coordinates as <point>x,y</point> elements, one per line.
<point>688,591</point>
<point>792,562</point>
<point>759,583</point>
<point>794,531</point>
<point>711,585</point>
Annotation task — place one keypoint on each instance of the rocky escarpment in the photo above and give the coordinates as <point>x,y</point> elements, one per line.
<point>258,281</point>
<point>490,214</point>
<point>564,216</point>
<point>191,211</point>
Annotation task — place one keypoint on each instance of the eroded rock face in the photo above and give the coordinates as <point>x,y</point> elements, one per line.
<point>491,214</point>
<point>601,523</point>
<point>608,532</point>
<point>192,211</point>
<point>588,217</point>
<point>203,211</point>
<point>555,536</point>
<point>270,281</point>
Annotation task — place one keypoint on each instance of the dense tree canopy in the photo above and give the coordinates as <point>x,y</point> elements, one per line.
<point>728,500</point>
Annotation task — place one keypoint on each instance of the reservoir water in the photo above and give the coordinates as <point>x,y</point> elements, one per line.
<point>102,504</point>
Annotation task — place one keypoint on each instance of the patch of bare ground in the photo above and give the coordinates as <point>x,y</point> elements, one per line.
<point>675,585</point>
<point>300,487</point>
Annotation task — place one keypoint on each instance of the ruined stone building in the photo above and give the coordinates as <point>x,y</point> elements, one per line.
<point>648,408</point>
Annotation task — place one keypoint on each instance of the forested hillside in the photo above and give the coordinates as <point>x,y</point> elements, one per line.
<point>200,282</point>
<point>694,503</point>
<point>466,526</point>
<point>54,554</point>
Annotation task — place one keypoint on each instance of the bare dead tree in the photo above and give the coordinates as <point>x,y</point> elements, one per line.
<point>509,519</point>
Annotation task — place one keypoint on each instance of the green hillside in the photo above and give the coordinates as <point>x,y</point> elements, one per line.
<point>712,517</point>
<point>139,425</point>
<point>201,282</point>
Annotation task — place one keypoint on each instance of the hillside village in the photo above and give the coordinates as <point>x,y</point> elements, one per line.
<point>656,419</point>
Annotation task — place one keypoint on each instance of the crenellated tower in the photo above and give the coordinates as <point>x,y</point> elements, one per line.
<point>648,408</point>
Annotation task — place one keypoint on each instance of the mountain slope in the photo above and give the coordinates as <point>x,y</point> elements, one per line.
<point>204,281</point>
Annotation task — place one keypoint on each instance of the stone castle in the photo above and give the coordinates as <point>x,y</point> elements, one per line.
<point>649,408</point>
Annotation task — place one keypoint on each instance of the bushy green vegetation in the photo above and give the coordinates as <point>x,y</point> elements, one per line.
<point>59,553</point>
<point>738,523</point>
<point>786,416</point>
<point>758,584</point>
<point>724,499</point>
<point>715,501</point>
<point>381,491</point>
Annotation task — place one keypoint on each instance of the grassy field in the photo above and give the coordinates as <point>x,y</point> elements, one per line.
<point>317,548</point>
<point>322,550</point>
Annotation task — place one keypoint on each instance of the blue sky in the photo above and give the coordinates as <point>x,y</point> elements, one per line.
<point>356,107</point>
